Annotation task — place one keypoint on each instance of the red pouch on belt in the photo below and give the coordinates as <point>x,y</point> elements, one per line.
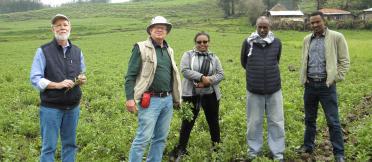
<point>145,101</point>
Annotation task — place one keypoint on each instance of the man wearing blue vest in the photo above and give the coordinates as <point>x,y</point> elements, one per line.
<point>58,72</point>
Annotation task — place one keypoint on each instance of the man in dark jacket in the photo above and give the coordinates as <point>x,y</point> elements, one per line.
<point>57,72</point>
<point>260,58</point>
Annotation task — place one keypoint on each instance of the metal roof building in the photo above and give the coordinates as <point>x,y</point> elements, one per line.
<point>336,14</point>
<point>368,10</point>
<point>286,13</point>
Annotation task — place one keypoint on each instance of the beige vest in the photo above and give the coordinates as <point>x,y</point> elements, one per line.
<point>147,72</point>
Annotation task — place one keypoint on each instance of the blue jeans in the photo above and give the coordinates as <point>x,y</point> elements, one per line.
<point>54,122</point>
<point>153,127</point>
<point>316,92</point>
<point>257,106</point>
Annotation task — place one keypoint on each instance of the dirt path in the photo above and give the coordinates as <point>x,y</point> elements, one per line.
<point>324,149</point>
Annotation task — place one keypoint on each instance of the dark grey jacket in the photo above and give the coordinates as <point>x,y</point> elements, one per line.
<point>262,67</point>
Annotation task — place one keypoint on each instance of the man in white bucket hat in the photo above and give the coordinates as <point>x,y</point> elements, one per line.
<point>152,87</point>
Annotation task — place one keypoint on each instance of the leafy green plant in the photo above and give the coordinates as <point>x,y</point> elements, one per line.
<point>185,111</point>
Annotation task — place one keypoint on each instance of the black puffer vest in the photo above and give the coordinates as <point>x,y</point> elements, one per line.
<point>60,66</point>
<point>262,68</point>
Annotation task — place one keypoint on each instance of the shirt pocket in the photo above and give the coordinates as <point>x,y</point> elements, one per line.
<point>148,66</point>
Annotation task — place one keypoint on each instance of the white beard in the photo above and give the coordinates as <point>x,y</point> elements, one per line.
<point>62,37</point>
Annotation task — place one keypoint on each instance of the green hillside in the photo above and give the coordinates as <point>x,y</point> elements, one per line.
<point>106,34</point>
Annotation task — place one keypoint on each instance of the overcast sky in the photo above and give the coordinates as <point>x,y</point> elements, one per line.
<point>59,2</point>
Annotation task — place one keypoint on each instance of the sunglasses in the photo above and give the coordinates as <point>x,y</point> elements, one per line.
<point>200,42</point>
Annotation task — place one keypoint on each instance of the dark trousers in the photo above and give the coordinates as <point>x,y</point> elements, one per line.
<point>316,92</point>
<point>210,105</point>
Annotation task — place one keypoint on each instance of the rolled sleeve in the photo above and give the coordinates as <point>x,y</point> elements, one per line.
<point>43,83</point>
<point>82,63</point>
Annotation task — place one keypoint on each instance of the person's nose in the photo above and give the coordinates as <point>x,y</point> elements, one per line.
<point>63,28</point>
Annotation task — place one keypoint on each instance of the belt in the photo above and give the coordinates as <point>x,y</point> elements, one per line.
<point>317,79</point>
<point>160,94</point>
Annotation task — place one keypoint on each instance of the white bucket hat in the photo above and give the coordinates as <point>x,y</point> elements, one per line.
<point>159,20</point>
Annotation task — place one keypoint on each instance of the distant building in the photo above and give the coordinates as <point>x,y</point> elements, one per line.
<point>336,14</point>
<point>282,18</point>
<point>367,14</point>
<point>286,15</point>
<point>280,13</point>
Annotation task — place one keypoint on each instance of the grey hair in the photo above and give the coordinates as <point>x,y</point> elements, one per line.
<point>263,18</point>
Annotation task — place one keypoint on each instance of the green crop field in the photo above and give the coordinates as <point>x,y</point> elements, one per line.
<point>106,34</point>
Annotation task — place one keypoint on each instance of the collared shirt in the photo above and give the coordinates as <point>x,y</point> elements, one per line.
<point>317,62</point>
<point>163,74</point>
<point>38,66</point>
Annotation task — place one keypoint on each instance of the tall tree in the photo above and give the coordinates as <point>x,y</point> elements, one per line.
<point>232,7</point>
<point>251,8</point>
<point>255,9</point>
<point>320,4</point>
<point>225,5</point>
<point>290,4</point>
<point>270,3</point>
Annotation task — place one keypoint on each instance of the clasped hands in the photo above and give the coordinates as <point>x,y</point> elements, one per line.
<point>205,81</point>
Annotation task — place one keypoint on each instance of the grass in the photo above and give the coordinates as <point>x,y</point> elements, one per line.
<point>106,34</point>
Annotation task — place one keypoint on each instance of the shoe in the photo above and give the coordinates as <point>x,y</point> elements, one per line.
<point>304,149</point>
<point>250,158</point>
<point>176,154</point>
<point>339,159</point>
<point>214,148</point>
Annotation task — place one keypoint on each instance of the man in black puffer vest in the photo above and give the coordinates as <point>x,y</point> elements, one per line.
<point>57,72</point>
<point>260,58</point>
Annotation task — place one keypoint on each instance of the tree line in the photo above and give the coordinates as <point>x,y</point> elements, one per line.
<point>7,6</point>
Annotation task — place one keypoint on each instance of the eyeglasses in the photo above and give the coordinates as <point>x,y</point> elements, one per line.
<point>61,25</point>
<point>200,42</point>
